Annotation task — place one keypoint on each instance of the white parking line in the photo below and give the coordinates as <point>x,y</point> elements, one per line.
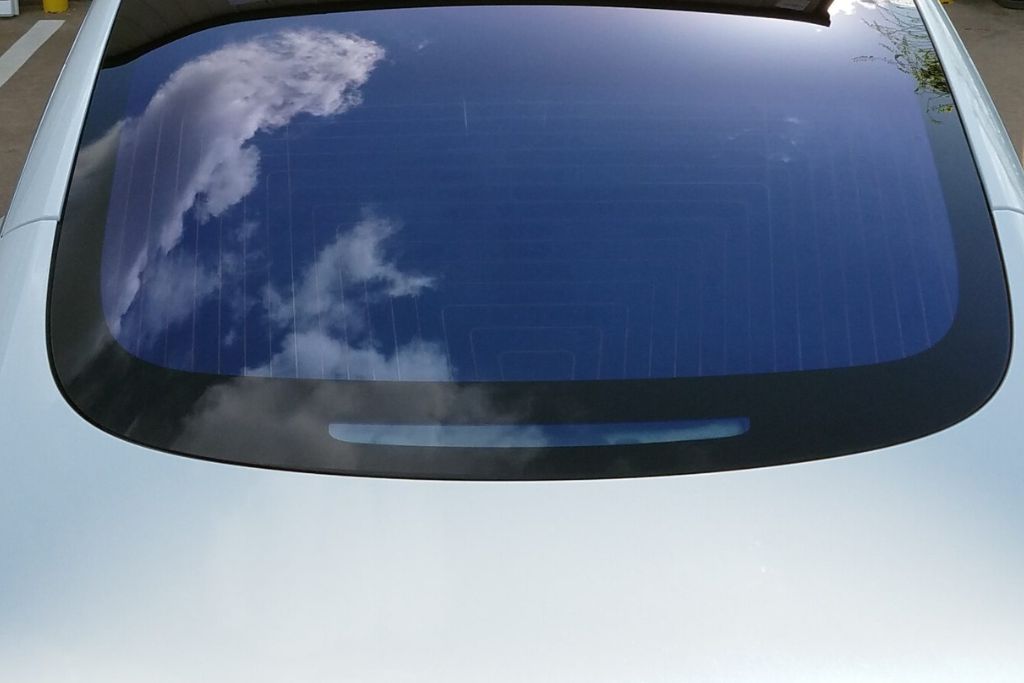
<point>25,47</point>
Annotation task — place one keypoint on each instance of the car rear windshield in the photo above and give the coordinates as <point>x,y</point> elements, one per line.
<point>522,242</point>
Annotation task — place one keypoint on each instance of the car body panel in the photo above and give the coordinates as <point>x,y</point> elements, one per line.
<point>121,563</point>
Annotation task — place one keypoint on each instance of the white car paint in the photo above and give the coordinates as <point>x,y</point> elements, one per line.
<point>124,564</point>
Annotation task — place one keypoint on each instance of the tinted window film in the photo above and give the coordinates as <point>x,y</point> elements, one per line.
<point>636,216</point>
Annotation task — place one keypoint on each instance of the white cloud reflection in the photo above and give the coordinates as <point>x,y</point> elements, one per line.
<point>325,326</point>
<point>356,258</point>
<point>318,354</point>
<point>239,90</point>
<point>206,114</point>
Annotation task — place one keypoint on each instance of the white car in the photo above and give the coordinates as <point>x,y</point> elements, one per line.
<point>374,342</point>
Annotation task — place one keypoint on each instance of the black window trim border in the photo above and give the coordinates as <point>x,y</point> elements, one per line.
<point>562,463</point>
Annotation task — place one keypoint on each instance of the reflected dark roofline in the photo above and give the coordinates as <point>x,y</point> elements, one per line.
<point>141,28</point>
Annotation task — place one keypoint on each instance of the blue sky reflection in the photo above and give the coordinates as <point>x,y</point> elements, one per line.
<point>510,193</point>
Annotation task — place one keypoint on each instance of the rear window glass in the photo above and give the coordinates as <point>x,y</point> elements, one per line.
<point>472,241</point>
